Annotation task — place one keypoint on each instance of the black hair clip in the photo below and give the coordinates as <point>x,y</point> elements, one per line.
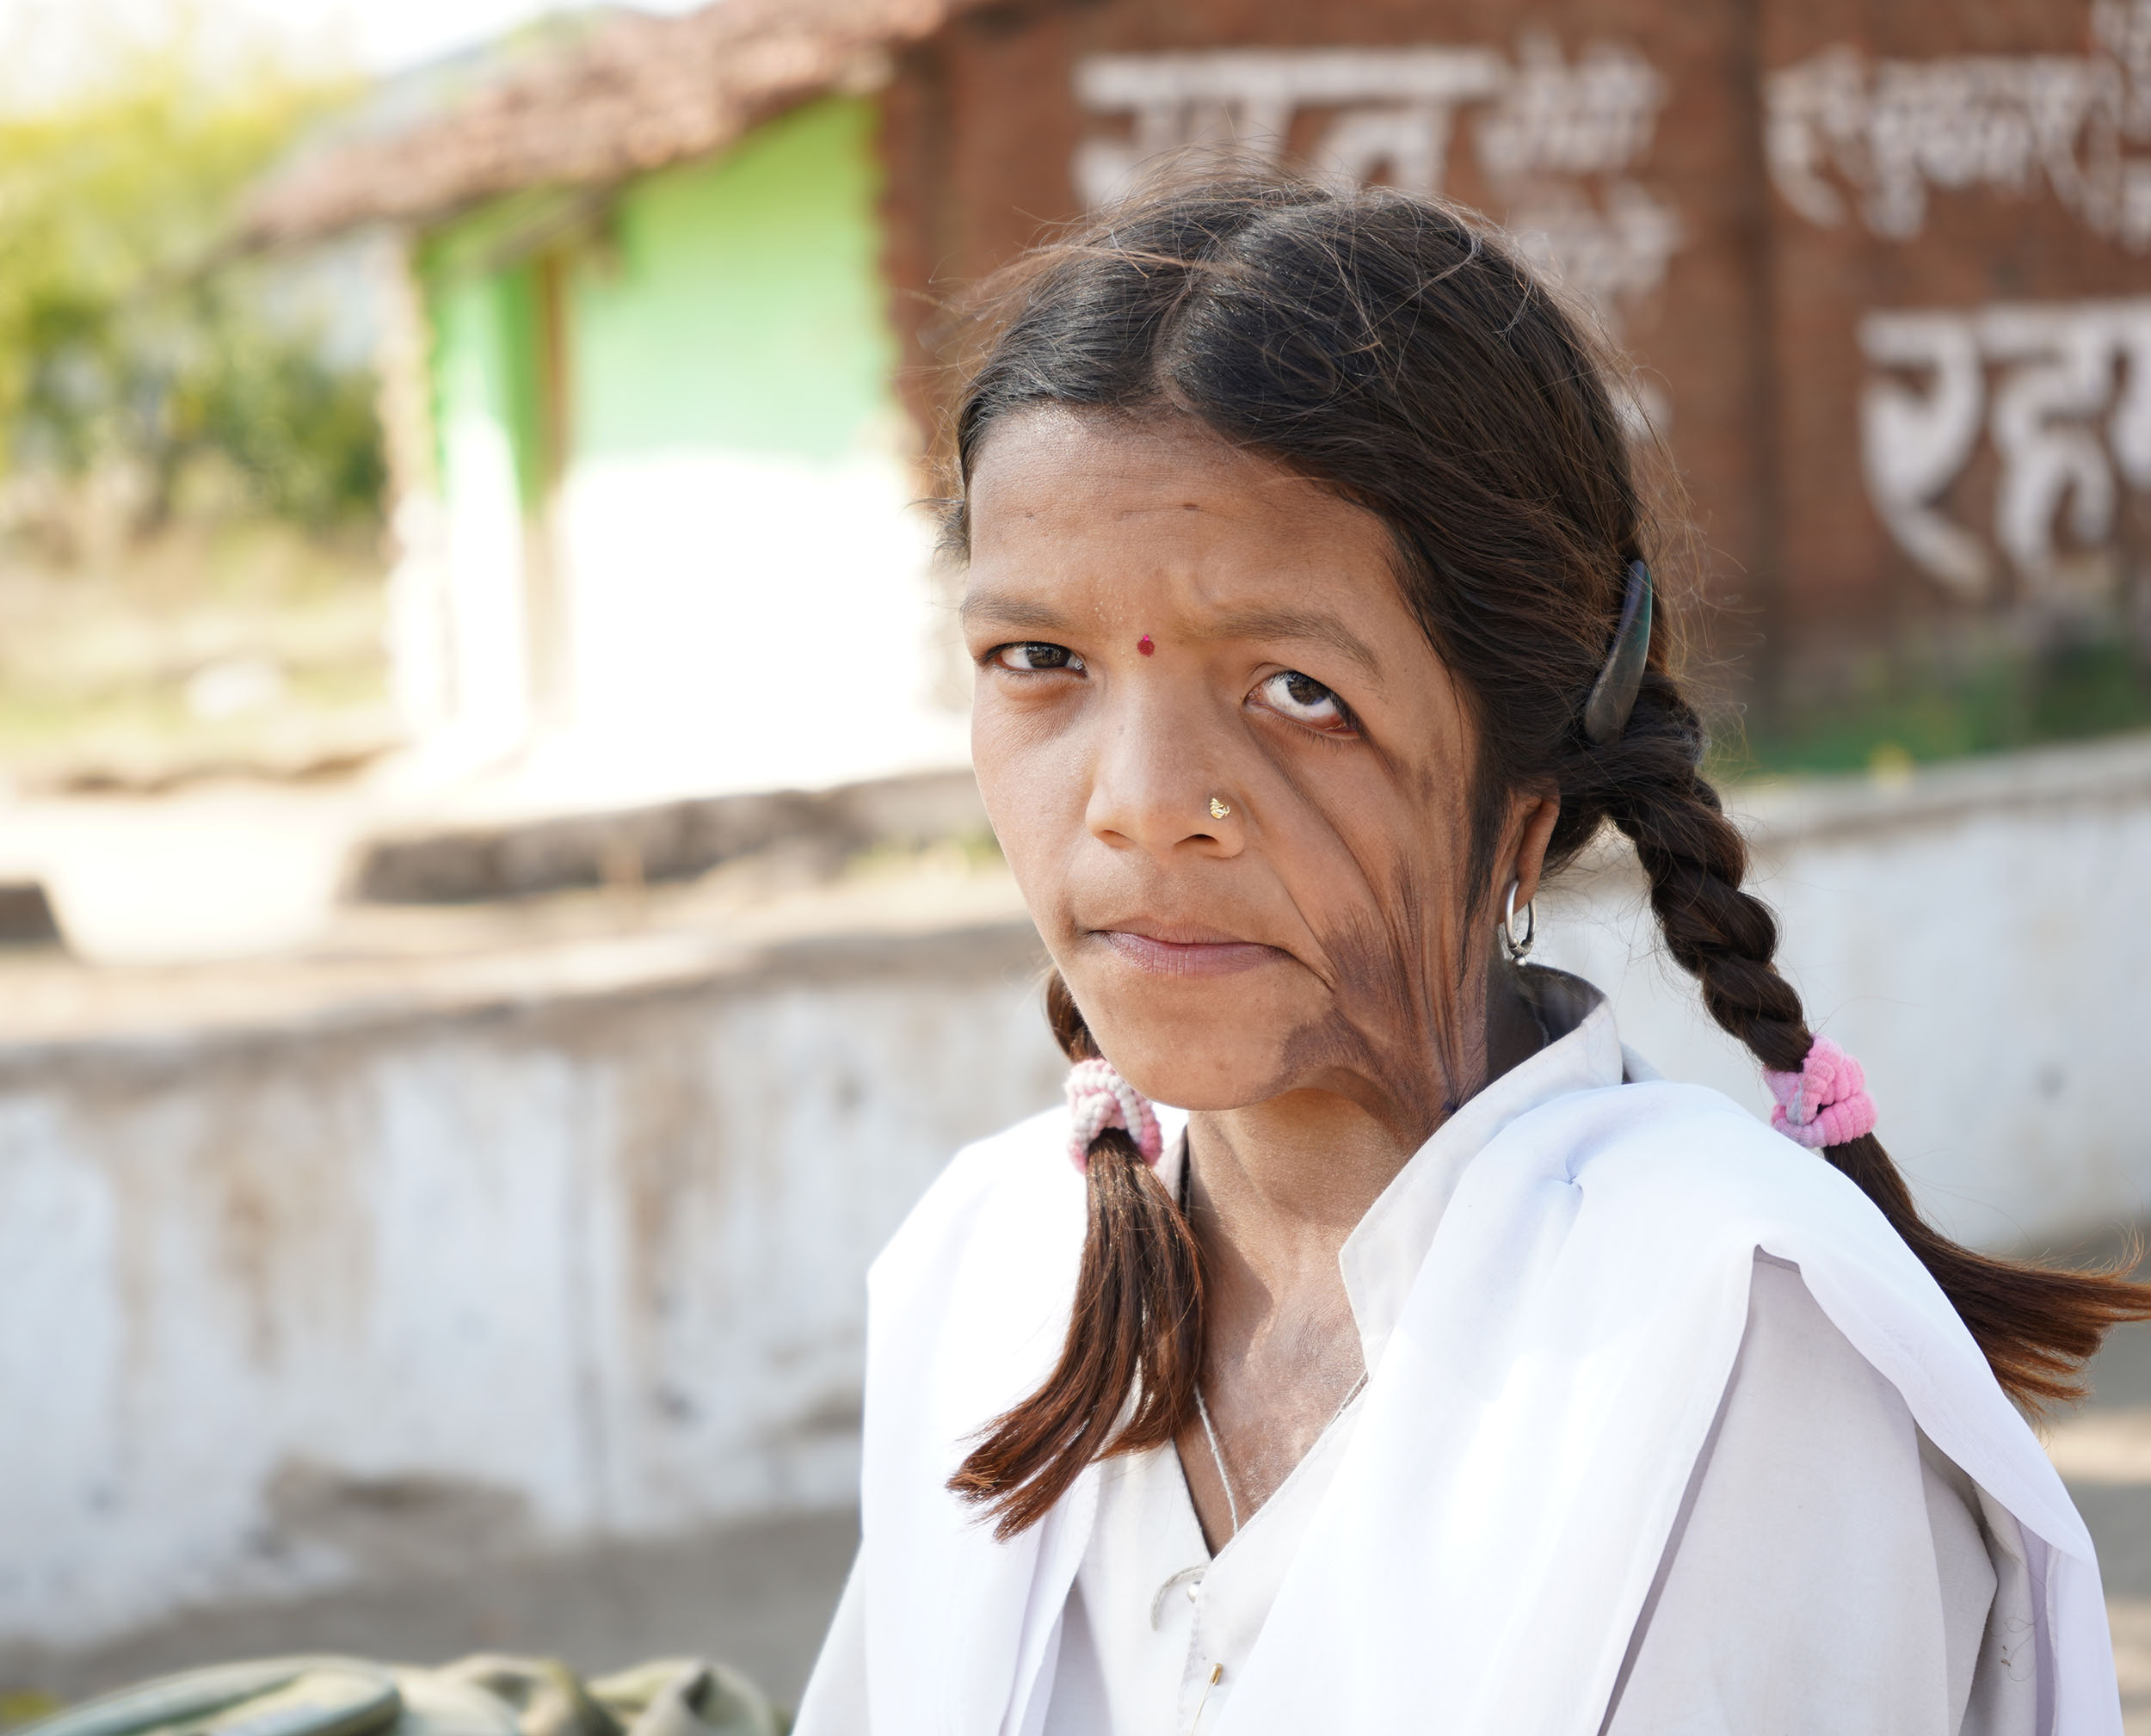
<point>1614,694</point>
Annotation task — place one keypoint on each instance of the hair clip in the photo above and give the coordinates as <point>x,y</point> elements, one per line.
<point>1614,694</point>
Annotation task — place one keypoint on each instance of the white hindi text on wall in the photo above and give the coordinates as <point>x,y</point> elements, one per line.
<point>2062,391</point>
<point>1543,129</point>
<point>1845,132</point>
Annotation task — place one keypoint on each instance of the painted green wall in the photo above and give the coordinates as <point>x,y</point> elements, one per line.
<point>731,304</point>
<point>740,304</point>
<point>485,356</point>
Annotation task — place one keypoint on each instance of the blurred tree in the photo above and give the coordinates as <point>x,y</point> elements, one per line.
<point>126,349</point>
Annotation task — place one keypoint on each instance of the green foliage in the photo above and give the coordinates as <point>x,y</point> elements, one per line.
<point>306,436</point>
<point>2072,687</point>
<point>122,340</point>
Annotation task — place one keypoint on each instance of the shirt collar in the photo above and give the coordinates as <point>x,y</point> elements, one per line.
<point>1382,1257</point>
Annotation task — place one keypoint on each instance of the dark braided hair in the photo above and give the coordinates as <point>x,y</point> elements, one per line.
<point>1387,346</point>
<point>1140,1274</point>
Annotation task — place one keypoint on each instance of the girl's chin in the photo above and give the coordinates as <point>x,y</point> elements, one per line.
<point>1198,1061</point>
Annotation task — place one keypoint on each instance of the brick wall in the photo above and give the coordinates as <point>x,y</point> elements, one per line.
<point>1878,260</point>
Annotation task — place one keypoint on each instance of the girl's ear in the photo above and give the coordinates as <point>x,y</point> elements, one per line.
<point>1532,826</point>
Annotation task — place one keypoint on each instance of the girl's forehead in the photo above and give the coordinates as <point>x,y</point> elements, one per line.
<point>1060,499</point>
<point>1049,456</point>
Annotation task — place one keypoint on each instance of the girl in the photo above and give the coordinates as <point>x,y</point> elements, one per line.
<point>1440,1369</point>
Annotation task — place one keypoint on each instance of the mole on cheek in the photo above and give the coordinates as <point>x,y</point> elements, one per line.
<point>1144,645</point>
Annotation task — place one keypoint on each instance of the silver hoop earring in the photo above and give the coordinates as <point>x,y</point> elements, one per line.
<point>1519,950</point>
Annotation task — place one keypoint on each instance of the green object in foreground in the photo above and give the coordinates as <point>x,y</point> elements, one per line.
<point>281,1697</point>
<point>436,1703</point>
<point>482,1695</point>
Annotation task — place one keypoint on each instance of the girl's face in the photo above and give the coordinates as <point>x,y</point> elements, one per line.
<point>1161,622</point>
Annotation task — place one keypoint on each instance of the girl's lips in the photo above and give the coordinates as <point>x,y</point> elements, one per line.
<point>1185,957</point>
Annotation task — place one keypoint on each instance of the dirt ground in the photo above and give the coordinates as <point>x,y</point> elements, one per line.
<point>759,1596</point>
<point>2113,1491</point>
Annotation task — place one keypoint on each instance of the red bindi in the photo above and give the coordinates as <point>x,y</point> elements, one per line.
<point>1144,645</point>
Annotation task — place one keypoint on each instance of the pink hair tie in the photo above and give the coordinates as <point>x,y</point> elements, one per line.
<point>1099,1098</point>
<point>1826,1103</point>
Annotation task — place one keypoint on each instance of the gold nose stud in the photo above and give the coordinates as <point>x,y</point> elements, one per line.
<point>1219,808</point>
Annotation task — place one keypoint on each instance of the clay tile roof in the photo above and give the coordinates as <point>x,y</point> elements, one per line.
<point>637,93</point>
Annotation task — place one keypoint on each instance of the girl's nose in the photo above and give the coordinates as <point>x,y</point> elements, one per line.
<point>1155,789</point>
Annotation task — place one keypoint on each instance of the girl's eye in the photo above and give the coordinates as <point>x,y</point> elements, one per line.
<point>1033,655</point>
<point>1305,701</point>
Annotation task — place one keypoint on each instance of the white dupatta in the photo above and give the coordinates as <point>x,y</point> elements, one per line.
<point>1529,1426</point>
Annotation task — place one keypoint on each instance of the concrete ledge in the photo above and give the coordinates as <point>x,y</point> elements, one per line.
<point>1782,812</point>
<point>539,993</point>
<point>670,840</point>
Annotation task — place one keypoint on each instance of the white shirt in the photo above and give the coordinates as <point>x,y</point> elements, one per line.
<point>1834,1572</point>
<point>1828,1567</point>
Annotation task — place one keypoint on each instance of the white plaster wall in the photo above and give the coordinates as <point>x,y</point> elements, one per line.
<point>595,1257</point>
<point>744,622</point>
<point>602,1259</point>
<point>488,624</point>
<point>1981,941</point>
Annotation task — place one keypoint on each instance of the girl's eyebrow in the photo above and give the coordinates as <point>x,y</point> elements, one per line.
<point>1001,610</point>
<point>1311,626</point>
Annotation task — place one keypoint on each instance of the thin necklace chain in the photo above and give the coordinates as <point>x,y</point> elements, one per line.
<point>1217,1457</point>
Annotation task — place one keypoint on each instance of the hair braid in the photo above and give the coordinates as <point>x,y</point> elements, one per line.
<point>1127,1369</point>
<point>2035,1325</point>
<point>1695,860</point>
